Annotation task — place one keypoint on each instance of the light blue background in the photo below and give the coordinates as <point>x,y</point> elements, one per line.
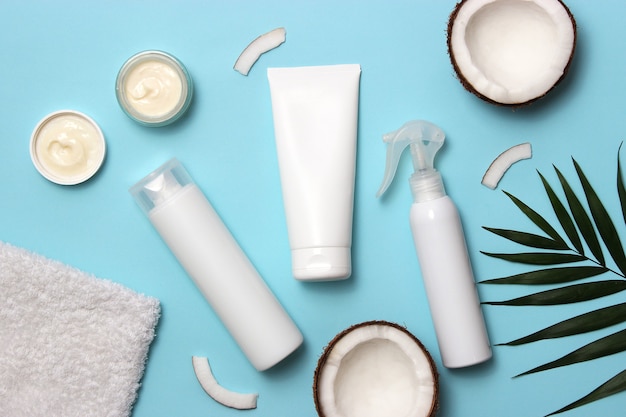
<point>66,54</point>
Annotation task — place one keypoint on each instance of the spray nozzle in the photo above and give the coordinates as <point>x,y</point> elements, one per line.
<point>424,139</point>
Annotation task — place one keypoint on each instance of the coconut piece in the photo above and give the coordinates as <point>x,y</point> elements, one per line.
<point>220,394</point>
<point>511,52</point>
<point>258,47</point>
<point>375,369</point>
<point>503,162</point>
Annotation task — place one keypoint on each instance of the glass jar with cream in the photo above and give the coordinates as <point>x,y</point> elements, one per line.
<point>154,88</point>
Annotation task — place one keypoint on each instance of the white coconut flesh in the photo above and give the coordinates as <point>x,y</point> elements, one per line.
<point>511,51</point>
<point>376,369</point>
<point>232,399</point>
<point>503,162</point>
<point>258,47</point>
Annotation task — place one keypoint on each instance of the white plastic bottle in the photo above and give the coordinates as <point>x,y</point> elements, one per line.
<point>441,248</point>
<point>206,249</point>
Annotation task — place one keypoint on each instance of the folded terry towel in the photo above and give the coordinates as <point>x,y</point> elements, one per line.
<point>71,345</point>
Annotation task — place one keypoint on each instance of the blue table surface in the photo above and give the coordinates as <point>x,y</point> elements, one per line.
<point>66,55</point>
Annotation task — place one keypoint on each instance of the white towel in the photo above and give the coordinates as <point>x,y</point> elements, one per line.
<point>71,344</point>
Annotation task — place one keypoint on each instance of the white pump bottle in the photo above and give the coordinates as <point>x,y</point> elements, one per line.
<point>441,248</point>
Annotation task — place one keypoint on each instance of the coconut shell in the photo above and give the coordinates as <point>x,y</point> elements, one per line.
<point>469,87</point>
<point>328,349</point>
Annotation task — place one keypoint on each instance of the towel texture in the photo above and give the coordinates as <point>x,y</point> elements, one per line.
<point>71,344</point>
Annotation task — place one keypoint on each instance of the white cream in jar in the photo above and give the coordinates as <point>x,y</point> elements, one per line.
<point>153,88</point>
<point>67,147</point>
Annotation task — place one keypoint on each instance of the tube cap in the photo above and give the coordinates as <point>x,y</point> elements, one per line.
<point>321,264</point>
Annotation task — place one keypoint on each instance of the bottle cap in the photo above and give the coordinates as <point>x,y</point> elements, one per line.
<point>321,264</point>
<point>160,185</point>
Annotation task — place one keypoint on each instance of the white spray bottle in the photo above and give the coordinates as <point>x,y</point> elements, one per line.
<point>441,248</point>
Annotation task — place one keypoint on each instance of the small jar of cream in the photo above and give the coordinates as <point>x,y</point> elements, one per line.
<point>67,147</point>
<point>153,88</point>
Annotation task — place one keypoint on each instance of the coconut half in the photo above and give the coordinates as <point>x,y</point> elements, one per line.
<point>511,52</point>
<point>375,369</point>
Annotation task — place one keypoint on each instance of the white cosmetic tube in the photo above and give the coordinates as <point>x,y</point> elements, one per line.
<point>315,113</point>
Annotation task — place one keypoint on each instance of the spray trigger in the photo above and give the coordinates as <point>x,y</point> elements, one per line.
<point>424,139</point>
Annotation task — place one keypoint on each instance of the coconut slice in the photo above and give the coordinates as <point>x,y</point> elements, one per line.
<point>220,394</point>
<point>503,162</point>
<point>511,52</point>
<point>375,369</point>
<point>258,47</point>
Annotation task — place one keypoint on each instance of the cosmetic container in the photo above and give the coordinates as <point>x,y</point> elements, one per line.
<point>441,249</point>
<point>196,235</point>
<point>315,111</point>
<point>154,88</point>
<point>67,147</point>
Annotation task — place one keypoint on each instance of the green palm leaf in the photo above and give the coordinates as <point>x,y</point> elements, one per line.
<point>621,189</point>
<point>566,295</point>
<point>538,258</point>
<point>537,219</point>
<point>588,228</point>
<point>550,276</point>
<point>581,218</point>
<point>600,348</point>
<point>563,216</point>
<point>614,385</point>
<point>606,228</point>
<point>584,323</point>
<point>528,239</point>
